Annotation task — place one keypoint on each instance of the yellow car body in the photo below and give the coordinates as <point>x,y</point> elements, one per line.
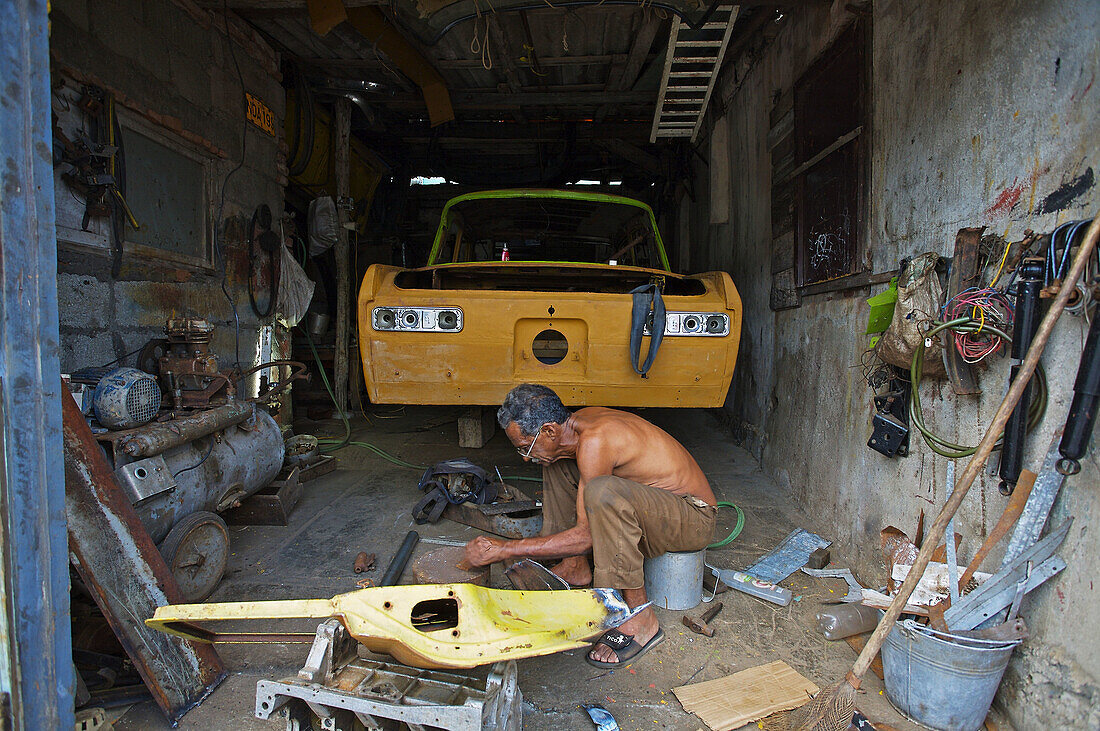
<point>487,326</point>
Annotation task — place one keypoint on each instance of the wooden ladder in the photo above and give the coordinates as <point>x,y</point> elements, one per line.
<point>692,61</point>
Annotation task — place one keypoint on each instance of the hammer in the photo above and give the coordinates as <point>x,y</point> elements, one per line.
<point>700,625</point>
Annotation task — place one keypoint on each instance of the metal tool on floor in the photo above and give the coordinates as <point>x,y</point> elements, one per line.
<point>701,624</point>
<point>400,560</point>
<point>342,691</point>
<point>855,589</point>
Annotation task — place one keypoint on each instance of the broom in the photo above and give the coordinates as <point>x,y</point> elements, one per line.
<point>832,709</point>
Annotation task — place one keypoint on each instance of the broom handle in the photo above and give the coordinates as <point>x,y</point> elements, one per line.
<point>939,527</point>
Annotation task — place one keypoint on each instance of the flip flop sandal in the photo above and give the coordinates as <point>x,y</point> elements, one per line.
<point>626,649</point>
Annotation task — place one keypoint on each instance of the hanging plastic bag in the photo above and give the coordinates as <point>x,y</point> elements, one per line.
<point>920,298</point>
<point>323,225</point>
<point>295,291</point>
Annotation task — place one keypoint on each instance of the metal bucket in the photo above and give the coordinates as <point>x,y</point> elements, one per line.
<point>943,681</point>
<point>674,580</point>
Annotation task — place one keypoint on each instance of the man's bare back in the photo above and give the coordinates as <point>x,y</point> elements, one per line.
<point>636,450</point>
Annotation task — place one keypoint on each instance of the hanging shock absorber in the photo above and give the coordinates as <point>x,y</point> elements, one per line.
<point>1082,412</point>
<point>1032,272</point>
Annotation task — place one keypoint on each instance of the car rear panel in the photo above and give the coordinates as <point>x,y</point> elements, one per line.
<point>502,343</point>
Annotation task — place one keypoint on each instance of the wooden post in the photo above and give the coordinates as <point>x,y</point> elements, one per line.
<point>343,275</point>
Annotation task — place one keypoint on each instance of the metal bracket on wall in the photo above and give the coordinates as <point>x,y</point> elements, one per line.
<point>890,424</point>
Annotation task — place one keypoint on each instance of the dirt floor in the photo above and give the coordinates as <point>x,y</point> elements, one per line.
<point>365,506</point>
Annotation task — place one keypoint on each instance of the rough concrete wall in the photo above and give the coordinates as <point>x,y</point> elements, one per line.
<point>172,62</point>
<point>983,114</point>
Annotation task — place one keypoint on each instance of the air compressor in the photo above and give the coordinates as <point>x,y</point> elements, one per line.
<point>185,447</point>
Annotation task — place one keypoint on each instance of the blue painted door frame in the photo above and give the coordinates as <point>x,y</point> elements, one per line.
<point>38,656</point>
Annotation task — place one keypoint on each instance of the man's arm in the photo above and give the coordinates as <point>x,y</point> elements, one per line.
<point>593,460</point>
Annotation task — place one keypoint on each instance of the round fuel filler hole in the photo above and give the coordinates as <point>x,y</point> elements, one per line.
<point>550,347</point>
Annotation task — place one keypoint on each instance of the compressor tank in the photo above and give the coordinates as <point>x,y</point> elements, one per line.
<point>243,459</point>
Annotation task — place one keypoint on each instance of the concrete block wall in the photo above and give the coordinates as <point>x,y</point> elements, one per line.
<point>172,60</point>
<point>982,114</point>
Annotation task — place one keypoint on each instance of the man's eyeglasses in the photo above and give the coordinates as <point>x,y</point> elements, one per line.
<point>527,454</point>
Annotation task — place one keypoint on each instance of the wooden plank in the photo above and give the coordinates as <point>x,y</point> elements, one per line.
<point>964,273</point>
<point>342,142</point>
<point>269,506</point>
<point>475,427</point>
<point>632,67</point>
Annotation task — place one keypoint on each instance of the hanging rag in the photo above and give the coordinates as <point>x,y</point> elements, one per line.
<point>649,309</point>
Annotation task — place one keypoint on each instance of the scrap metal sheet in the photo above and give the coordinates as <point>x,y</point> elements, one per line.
<point>788,557</point>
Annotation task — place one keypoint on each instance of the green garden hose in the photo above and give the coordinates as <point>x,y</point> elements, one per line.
<point>736,528</point>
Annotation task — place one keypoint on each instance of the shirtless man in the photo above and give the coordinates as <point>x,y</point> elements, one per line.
<point>613,485</point>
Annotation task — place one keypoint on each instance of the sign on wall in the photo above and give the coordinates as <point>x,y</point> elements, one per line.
<point>260,115</point>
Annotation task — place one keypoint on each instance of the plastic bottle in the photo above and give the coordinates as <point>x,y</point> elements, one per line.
<point>844,620</point>
<point>750,585</point>
<point>504,255</point>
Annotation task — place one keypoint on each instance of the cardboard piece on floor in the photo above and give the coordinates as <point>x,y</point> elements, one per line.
<point>746,696</point>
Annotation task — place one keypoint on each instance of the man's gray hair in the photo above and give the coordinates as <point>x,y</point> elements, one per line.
<point>530,406</point>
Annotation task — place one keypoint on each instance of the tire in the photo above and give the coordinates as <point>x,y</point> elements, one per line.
<point>197,551</point>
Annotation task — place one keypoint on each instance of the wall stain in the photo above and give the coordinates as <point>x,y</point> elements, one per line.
<point>1008,198</point>
<point>1067,193</point>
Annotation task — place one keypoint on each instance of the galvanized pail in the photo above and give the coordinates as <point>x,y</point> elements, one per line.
<point>674,580</point>
<point>943,681</point>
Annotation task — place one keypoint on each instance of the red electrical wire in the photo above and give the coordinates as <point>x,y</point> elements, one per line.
<point>986,306</point>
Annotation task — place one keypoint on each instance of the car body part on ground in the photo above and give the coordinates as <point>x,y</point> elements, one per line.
<point>429,626</point>
<point>336,684</point>
<point>446,566</point>
<point>514,515</point>
<point>126,575</point>
<point>468,327</point>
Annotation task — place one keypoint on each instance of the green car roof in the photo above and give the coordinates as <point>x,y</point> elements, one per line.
<point>444,219</point>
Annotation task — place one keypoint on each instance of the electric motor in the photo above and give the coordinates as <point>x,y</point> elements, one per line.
<point>126,398</point>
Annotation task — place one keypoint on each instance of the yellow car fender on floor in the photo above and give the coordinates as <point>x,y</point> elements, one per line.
<point>426,626</point>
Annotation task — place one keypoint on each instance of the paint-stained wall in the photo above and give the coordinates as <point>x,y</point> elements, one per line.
<point>982,114</point>
<point>172,62</point>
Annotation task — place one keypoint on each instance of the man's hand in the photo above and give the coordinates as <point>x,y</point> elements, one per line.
<point>483,550</point>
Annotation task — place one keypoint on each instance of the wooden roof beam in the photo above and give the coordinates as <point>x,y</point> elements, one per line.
<point>639,51</point>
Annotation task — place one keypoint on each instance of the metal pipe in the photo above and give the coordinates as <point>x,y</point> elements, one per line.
<point>156,438</point>
<point>1024,328</point>
<point>400,560</point>
<point>1082,412</point>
